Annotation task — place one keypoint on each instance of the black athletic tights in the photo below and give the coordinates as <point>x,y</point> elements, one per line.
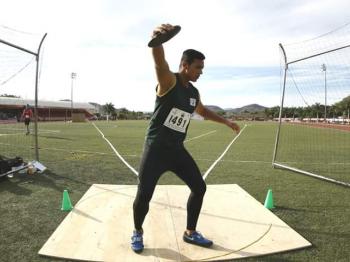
<point>157,160</point>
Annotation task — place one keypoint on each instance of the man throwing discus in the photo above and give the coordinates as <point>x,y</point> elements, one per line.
<point>176,100</point>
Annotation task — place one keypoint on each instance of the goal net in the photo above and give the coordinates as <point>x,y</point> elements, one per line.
<point>313,135</point>
<point>19,55</point>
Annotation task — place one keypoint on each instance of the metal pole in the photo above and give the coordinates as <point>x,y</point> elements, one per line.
<point>73,76</point>
<point>336,49</point>
<point>20,48</point>
<point>36,100</point>
<point>324,69</point>
<point>325,98</point>
<point>281,107</point>
<point>311,174</point>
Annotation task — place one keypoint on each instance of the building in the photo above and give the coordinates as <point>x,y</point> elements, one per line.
<point>11,109</point>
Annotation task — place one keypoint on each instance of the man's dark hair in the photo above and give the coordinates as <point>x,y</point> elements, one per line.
<point>190,55</point>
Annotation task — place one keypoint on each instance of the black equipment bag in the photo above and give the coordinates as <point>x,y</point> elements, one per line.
<point>6,164</point>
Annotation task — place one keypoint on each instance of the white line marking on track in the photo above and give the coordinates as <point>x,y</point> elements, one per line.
<point>82,151</point>
<point>115,151</point>
<point>11,134</point>
<point>193,138</point>
<point>222,155</point>
<point>48,131</point>
<point>32,130</point>
<point>236,161</point>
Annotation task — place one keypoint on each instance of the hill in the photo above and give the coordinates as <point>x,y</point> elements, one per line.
<point>215,108</point>
<point>247,108</point>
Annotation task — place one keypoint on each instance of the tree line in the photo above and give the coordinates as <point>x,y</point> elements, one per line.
<point>121,113</point>
<point>317,110</point>
<point>8,95</point>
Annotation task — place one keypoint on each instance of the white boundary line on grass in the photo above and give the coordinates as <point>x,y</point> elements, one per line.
<point>236,161</point>
<point>115,151</point>
<point>193,138</point>
<point>48,131</point>
<point>136,173</point>
<point>12,134</point>
<point>31,129</point>
<point>222,155</point>
<point>80,151</point>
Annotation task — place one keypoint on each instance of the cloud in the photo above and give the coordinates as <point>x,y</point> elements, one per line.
<point>104,42</point>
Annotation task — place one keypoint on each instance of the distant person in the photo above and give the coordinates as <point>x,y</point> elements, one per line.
<point>176,100</point>
<point>27,115</point>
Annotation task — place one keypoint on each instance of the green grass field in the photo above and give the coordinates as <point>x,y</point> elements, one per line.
<point>77,156</point>
<point>323,151</point>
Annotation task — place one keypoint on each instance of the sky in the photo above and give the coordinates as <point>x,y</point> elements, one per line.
<point>105,43</point>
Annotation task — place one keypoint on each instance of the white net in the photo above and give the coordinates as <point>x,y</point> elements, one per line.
<point>17,89</point>
<point>314,135</point>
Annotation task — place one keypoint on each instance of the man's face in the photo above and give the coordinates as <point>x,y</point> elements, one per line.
<point>194,70</point>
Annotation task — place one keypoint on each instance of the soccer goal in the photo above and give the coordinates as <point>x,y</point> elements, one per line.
<point>19,77</point>
<point>313,135</point>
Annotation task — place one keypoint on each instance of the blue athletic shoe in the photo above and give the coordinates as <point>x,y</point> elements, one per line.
<point>137,241</point>
<point>196,238</point>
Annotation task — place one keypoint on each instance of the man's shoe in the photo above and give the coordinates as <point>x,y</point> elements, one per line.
<point>137,241</point>
<point>196,238</point>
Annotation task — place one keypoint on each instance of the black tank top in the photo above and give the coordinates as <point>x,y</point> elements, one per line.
<point>172,115</point>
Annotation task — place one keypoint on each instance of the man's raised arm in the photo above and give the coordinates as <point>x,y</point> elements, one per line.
<point>166,78</point>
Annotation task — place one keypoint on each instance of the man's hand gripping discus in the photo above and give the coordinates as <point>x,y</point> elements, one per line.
<point>163,34</point>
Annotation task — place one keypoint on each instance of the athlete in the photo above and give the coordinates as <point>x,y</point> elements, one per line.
<point>176,100</point>
<point>27,115</point>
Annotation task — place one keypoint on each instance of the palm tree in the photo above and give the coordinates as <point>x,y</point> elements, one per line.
<point>267,112</point>
<point>316,109</point>
<point>333,112</point>
<point>308,112</point>
<point>300,112</point>
<point>344,106</point>
<point>109,109</point>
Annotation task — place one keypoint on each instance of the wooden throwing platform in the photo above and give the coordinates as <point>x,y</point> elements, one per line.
<point>100,226</point>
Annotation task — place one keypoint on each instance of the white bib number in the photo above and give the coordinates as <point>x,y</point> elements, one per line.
<point>178,120</point>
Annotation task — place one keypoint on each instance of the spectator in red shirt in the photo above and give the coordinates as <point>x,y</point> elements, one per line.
<point>27,115</point>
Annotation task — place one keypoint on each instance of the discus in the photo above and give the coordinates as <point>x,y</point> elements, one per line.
<point>164,37</point>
